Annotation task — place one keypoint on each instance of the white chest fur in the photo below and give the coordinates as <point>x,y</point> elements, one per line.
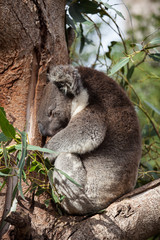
<point>79,102</point>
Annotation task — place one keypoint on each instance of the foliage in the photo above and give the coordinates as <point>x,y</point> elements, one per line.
<point>133,62</point>
<point>18,158</point>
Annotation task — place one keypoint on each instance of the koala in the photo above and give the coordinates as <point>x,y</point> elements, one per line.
<point>95,137</point>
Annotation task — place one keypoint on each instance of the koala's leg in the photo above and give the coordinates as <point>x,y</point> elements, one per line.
<point>76,201</point>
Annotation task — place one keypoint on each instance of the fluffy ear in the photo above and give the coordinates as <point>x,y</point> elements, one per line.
<point>67,79</point>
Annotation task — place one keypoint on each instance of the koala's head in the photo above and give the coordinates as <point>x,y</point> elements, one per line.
<point>55,107</point>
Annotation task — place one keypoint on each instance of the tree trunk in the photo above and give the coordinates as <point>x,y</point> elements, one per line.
<point>32,35</point>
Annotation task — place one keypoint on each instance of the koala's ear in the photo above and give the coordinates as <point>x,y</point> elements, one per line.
<point>67,79</point>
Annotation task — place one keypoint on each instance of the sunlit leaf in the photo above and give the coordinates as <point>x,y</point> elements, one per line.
<point>34,148</point>
<point>119,65</point>
<point>118,12</point>
<point>155,41</point>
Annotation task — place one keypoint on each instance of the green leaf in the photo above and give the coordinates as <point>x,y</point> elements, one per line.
<point>153,108</point>
<point>70,22</point>
<point>54,196</point>
<point>22,162</point>
<point>108,54</point>
<point>130,72</point>
<point>155,56</point>
<point>6,127</point>
<point>50,176</point>
<point>7,172</point>
<point>68,177</point>
<point>88,7</point>
<point>148,131</point>
<point>34,148</point>
<point>155,41</point>
<point>2,185</point>
<point>82,39</point>
<point>39,191</point>
<point>2,109</point>
<point>47,202</point>
<point>5,155</point>
<point>75,13</point>
<point>108,6</point>
<point>119,65</point>
<point>140,47</point>
<point>4,138</point>
<point>32,168</point>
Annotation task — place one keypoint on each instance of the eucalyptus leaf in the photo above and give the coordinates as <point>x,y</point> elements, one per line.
<point>155,41</point>
<point>70,22</point>
<point>75,13</point>
<point>153,108</point>
<point>88,7</point>
<point>155,56</point>
<point>5,154</point>
<point>108,6</point>
<point>50,176</point>
<point>130,72</point>
<point>7,172</point>
<point>5,126</point>
<point>22,162</point>
<point>4,138</point>
<point>2,109</point>
<point>34,148</point>
<point>140,47</point>
<point>119,65</point>
<point>68,177</point>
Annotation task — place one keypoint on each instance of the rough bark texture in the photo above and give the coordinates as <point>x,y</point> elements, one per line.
<point>135,216</point>
<point>31,36</point>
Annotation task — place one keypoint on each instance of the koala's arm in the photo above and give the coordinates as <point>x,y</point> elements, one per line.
<point>85,132</point>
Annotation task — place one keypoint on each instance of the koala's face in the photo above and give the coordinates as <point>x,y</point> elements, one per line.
<point>54,110</point>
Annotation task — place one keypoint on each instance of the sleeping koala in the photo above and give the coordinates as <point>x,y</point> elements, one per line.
<point>95,137</point>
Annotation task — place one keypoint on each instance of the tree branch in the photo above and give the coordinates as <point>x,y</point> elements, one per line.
<point>136,216</point>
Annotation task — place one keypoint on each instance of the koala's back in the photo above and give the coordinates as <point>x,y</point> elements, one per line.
<point>119,155</point>
<point>122,123</point>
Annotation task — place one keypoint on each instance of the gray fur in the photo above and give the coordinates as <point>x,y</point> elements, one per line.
<point>95,134</point>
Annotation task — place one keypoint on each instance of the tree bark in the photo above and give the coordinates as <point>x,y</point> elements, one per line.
<point>134,216</point>
<point>32,35</point>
